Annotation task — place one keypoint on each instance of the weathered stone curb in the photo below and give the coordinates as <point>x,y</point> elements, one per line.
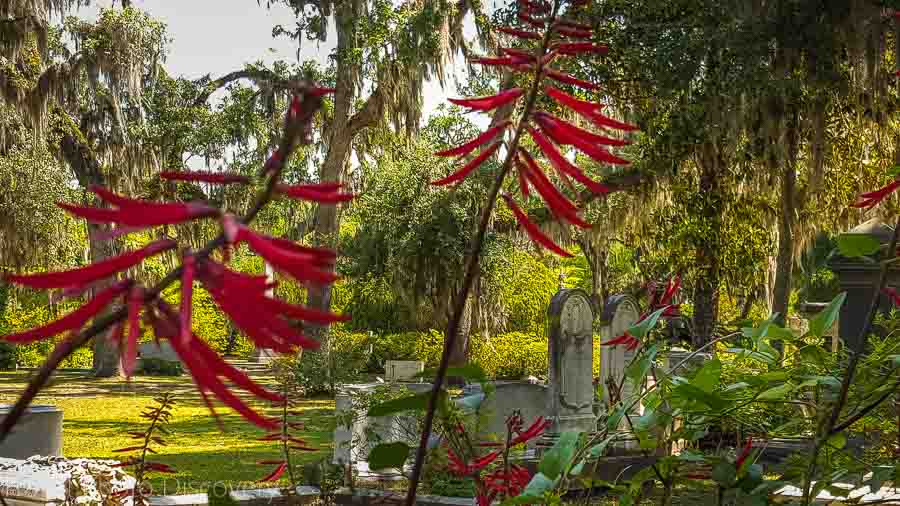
<point>259,497</point>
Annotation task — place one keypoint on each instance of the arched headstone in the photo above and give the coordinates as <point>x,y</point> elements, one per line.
<point>571,391</point>
<point>619,313</point>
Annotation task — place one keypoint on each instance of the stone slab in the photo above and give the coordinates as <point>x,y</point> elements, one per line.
<point>57,480</point>
<point>402,370</point>
<point>161,351</point>
<point>362,496</point>
<point>39,432</point>
<point>258,497</point>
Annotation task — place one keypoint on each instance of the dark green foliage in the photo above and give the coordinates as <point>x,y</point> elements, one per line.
<point>159,367</point>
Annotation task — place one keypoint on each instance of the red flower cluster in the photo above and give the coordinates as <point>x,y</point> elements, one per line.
<point>509,483</point>
<point>269,322</point>
<point>744,453</point>
<point>664,300</point>
<point>559,37</point>
<point>871,199</point>
<point>890,292</point>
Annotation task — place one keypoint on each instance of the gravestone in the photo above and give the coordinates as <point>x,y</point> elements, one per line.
<point>571,359</point>
<point>46,480</point>
<point>619,313</point>
<point>39,432</point>
<point>158,351</point>
<point>529,399</point>
<point>401,370</point>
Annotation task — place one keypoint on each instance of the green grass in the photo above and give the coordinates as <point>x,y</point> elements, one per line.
<point>98,413</point>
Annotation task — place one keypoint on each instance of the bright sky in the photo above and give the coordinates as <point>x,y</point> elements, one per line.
<point>219,36</point>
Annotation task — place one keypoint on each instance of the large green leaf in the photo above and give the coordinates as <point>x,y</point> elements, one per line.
<point>534,491</point>
<point>560,456</point>
<point>707,378</point>
<point>776,393</point>
<point>857,245</point>
<point>643,327</point>
<point>690,392</point>
<point>724,473</point>
<point>825,319</point>
<point>598,449</point>
<point>388,456</point>
<point>880,474</point>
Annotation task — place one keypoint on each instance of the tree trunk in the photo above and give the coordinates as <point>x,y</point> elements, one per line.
<point>706,287</point>
<point>459,354</point>
<point>786,222</point>
<point>83,162</point>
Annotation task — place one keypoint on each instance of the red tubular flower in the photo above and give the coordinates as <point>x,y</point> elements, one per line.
<point>457,466</point>
<point>521,171</point>
<point>74,320</point>
<point>468,147</point>
<point>890,292</point>
<point>503,61</point>
<point>160,468</point>
<point>623,339</point>
<point>870,199</point>
<point>745,452</point>
<point>556,201</point>
<point>518,53</point>
<point>576,33</point>
<point>484,461</point>
<point>314,193</point>
<point>532,230</point>
<point>569,133</point>
<point>540,24</point>
<point>671,290</point>
<point>151,215</point>
<point>489,103</point>
<point>206,374</point>
<point>576,48</point>
<point>535,6</point>
<point>588,110</point>
<point>202,176</point>
<point>564,166</point>
<point>534,430</point>
<point>467,169</point>
<point>301,266</point>
<point>521,34</point>
<point>567,79</point>
<point>573,24</point>
<point>94,272</point>
<point>187,295</point>
<point>632,344</point>
<point>276,474</point>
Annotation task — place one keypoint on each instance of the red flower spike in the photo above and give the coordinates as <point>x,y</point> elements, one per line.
<point>521,34</point>
<point>870,199</point>
<point>534,430</point>
<point>485,461</point>
<point>576,48</point>
<point>187,296</point>
<point>536,6</point>
<point>457,466</point>
<point>129,357</point>
<point>276,474</point>
<point>200,176</point>
<point>623,339</point>
<point>300,266</point>
<point>231,373</point>
<point>556,201</point>
<point>532,230</point>
<point>273,163</point>
<point>469,167</point>
<point>468,147</point>
<point>745,452</point>
<point>890,292</point>
<point>303,448</point>
<point>567,79</point>
<point>129,449</point>
<point>306,192</point>
<point>671,289</point>
<point>159,468</point>
<point>94,272</point>
<point>504,61</point>
<point>489,103</point>
<point>304,313</point>
<point>632,345</point>
<point>151,215</point>
<point>319,91</point>
<point>562,165</point>
<point>74,320</point>
<point>573,24</point>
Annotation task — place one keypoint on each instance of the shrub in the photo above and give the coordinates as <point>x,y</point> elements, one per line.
<point>160,367</point>
<point>513,355</point>
<point>349,356</point>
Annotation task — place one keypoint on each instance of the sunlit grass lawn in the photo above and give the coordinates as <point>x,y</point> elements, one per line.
<point>97,414</point>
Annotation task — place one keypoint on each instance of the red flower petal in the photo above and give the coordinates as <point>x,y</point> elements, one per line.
<point>160,468</point>
<point>890,292</point>
<point>94,272</point>
<point>187,296</point>
<point>303,448</point>
<point>523,180</point>
<point>74,320</point>
<point>518,53</point>
<point>276,474</point>
<point>870,199</point>
<point>505,61</point>
<point>568,130</point>
<point>745,452</point>
<point>319,91</point>
<point>300,266</point>
<point>483,462</point>
<point>556,201</point>
<point>151,215</point>
<point>470,146</point>
<point>469,167</point>
<point>129,449</point>
<point>588,110</point>
<point>489,103</point>
<point>576,48</point>
<point>533,231</point>
<point>577,33</point>
<point>536,6</point>
<point>204,177</point>
<point>540,24</point>
<point>521,34</point>
<point>623,339</point>
<point>306,192</point>
<point>567,79</point>
<point>573,24</point>
<point>564,166</point>
<point>304,313</point>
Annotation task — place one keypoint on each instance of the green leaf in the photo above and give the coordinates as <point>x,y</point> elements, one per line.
<point>642,328</point>
<point>615,418</point>
<point>598,449</point>
<point>471,402</point>
<point>857,245</point>
<point>880,474</point>
<point>825,319</point>
<point>894,171</point>
<point>417,402</point>
<point>560,456</point>
<point>837,441</point>
<point>724,474</point>
<point>707,378</point>
<point>690,392</point>
<point>691,456</point>
<point>388,455</point>
<point>776,393</point>
<point>813,354</point>
<point>534,491</point>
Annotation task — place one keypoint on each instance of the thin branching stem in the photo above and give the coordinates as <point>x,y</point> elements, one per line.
<point>828,428</point>
<point>472,267</point>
